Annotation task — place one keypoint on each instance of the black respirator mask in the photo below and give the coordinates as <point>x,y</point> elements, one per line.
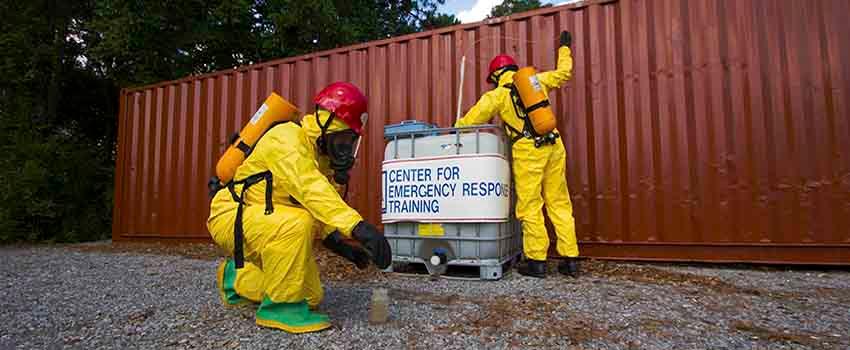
<point>340,147</point>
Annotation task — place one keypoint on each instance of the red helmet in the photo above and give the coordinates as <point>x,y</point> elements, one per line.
<point>346,102</point>
<point>499,62</point>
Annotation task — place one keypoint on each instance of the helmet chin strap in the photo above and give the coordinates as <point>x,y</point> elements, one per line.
<point>322,141</point>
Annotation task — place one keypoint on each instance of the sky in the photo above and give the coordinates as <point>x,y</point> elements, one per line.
<point>475,10</point>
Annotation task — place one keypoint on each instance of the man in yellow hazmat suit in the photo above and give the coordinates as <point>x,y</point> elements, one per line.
<point>539,163</point>
<point>277,226</point>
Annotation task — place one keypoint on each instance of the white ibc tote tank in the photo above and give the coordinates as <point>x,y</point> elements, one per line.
<point>447,199</point>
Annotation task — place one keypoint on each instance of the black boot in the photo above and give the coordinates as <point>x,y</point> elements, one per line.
<point>533,268</point>
<point>569,267</point>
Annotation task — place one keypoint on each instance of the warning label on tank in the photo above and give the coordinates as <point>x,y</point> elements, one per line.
<point>535,83</point>
<point>463,188</point>
<point>259,114</point>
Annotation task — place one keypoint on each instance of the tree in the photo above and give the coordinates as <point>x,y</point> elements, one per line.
<point>509,7</point>
<point>56,169</point>
<point>297,27</point>
<point>64,62</point>
<point>439,20</point>
<point>140,42</point>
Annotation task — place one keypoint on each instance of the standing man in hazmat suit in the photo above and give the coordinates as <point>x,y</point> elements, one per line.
<point>277,217</point>
<point>539,162</point>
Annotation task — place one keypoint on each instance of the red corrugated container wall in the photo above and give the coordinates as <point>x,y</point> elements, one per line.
<point>710,130</point>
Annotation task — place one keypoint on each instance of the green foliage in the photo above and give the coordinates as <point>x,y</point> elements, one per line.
<point>63,63</point>
<point>509,7</point>
<point>139,42</point>
<point>54,188</point>
<point>439,20</point>
<point>57,127</point>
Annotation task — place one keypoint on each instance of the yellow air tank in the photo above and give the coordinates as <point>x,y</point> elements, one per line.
<point>274,110</point>
<point>535,100</point>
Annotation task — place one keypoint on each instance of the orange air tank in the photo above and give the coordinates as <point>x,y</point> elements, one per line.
<point>535,100</point>
<point>274,110</point>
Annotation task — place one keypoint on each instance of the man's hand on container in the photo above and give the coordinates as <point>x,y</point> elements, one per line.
<point>356,255</point>
<point>374,242</point>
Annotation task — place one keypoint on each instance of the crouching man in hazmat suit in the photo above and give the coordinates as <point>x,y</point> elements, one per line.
<point>539,162</point>
<point>295,161</point>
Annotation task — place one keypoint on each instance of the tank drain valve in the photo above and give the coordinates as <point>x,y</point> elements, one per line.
<point>439,257</point>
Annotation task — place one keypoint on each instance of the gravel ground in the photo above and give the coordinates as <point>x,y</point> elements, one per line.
<point>123,296</point>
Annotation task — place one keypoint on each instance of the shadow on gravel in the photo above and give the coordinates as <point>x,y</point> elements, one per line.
<point>202,251</point>
<point>814,340</point>
<point>511,317</point>
<point>651,275</point>
<point>332,267</point>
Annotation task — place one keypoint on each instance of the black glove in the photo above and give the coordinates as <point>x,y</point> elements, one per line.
<point>566,39</point>
<point>375,242</point>
<point>354,254</point>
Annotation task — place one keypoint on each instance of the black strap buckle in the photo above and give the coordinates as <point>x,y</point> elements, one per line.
<point>214,185</point>
<point>549,139</point>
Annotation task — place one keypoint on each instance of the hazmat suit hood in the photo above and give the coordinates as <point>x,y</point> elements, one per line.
<point>506,78</point>
<point>311,127</point>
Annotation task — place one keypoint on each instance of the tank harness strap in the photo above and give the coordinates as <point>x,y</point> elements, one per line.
<point>520,110</point>
<point>541,104</point>
<point>242,146</point>
<point>238,230</point>
<point>516,134</point>
<point>269,186</point>
<point>214,185</point>
<point>527,130</point>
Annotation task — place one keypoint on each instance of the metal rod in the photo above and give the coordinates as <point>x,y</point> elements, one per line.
<point>357,147</point>
<point>477,141</point>
<point>478,236</point>
<point>460,88</point>
<point>447,238</point>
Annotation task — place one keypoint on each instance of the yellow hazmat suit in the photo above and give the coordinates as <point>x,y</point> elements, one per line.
<point>280,270</point>
<point>539,173</point>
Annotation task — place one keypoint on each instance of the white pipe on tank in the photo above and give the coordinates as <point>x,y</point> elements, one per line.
<point>460,88</point>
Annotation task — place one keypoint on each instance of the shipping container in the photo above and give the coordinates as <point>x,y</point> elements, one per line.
<point>696,130</point>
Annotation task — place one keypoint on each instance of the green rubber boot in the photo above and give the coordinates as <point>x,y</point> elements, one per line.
<point>290,317</point>
<point>225,279</point>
